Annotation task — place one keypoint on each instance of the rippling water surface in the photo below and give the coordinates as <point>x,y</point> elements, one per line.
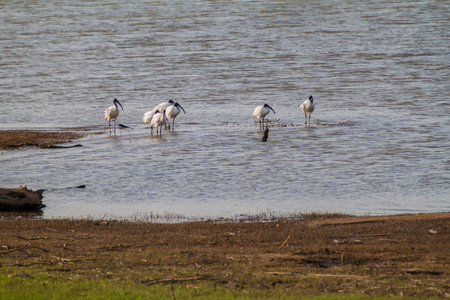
<point>378,71</point>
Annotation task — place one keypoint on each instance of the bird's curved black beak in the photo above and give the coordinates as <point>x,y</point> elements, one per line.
<point>117,101</point>
<point>178,105</point>
<point>270,108</point>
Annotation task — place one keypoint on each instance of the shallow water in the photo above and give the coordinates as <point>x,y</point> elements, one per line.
<point>378,71</point>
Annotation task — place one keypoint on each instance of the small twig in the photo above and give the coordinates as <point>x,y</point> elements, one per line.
<point>24,249</point>
<point>39,248</point>
<point>173,293</point>
<point>426,272</point>
<point>113,248</point>
<point>26,265</point>
<point>174,280</point>
<point>60,147</point>
<point>10,251</point>
<point>284,243</point>
<point>31,239</point>
<point>65,259</point>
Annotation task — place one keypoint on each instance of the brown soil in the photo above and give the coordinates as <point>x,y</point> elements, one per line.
<point>402,255</point>
<point>31,138</point>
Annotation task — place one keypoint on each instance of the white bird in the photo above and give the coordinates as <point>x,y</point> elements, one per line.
<point>172,112</point>
<point>308,108</point>
<point>147,119</point>
<point>261,112</point>
<point>163,106</point>
<point>112,113</point>
<point>158,120</point>
<point>124,127</point>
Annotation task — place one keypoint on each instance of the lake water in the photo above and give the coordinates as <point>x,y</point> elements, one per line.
<point>378,70</point>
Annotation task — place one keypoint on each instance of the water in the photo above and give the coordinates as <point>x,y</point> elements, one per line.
<point>378,71</point>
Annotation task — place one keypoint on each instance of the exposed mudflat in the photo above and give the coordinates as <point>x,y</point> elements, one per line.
<point>10,139</point>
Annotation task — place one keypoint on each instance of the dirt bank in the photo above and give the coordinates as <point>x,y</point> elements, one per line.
<point>12,139</point>
<point>404,255</point>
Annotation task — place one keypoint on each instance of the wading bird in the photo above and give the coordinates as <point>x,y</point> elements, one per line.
<point>158,120</point>
<point>172,112</point>
<point>124,127</point>
<point>163,106</point>
<point>112,113</point>
<point>148,116</point>
<point>261,112</point>
<point>308,108</point>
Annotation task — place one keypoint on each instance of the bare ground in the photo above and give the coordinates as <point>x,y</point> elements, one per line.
<point>10,139</point>
<point>400,255</point>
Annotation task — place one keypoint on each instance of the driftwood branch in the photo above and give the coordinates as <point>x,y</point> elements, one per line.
<point>265,135</point>
<point>197,278</point>
<point>20,198</point>
<point>284,243</point>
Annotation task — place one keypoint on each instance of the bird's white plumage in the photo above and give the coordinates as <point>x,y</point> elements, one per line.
<point>163,106</point>
<point>148,117</point>
<point>158,120</point>
<point>172,112</point>
<point>308,108</point>
<point>112,112</point>
<point>261,112</point>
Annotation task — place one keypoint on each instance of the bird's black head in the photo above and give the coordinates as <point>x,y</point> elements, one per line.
<point>157,112</point>
<point>268,106</point>
<point>178,105</point>
<point>171,101</point>
<point>117,102</point>
<point>311,99</point>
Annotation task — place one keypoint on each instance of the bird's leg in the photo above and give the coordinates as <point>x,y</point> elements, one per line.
<point>306,119</point>
<point>109,122</point>
<point>309,119</point>
<point>173,125</point>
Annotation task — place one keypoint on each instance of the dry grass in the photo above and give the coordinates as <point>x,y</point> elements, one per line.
<point>386,256</point>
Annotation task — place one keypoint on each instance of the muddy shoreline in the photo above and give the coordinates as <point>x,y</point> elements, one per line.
<point>14,139</point>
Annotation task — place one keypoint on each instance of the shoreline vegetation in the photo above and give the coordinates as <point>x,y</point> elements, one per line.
<point>315,256</point>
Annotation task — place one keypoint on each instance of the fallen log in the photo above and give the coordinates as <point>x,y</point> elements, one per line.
<point>20,199</point>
